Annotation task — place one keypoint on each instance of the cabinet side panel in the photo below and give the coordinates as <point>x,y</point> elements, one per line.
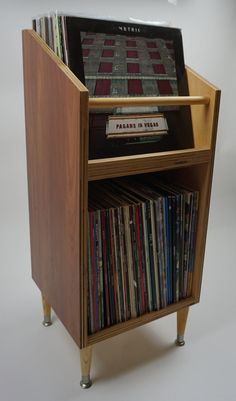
<point>55,154</point>
<point>204,117</point>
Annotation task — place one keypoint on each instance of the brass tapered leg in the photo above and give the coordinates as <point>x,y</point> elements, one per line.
<point>182,315</point>
<point>46,313</point>
<point>85,362</point>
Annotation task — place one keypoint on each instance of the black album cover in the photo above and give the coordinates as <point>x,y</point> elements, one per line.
<point>120,59</point>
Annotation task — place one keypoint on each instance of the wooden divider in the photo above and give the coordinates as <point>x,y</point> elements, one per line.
<point>147,101</point>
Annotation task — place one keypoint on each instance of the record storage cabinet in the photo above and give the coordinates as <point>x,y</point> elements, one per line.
<point>59,171</point>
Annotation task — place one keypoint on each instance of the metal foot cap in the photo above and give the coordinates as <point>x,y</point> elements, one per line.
<point>179,343</point>
<point>47,324</point>
<point>85,384</point>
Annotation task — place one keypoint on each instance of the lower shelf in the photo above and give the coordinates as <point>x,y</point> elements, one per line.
<point>139,321</point>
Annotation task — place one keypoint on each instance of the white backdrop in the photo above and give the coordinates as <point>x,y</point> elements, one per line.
<point>209,36</point>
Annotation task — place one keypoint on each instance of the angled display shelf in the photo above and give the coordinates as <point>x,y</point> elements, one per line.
<point>59,171</point>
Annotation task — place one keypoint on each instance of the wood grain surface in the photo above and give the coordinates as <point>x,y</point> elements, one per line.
<point>138,321</point>
<point>56,136</point>
<point>147,101</point>
<point>182,316</point>
<point>145,163</point>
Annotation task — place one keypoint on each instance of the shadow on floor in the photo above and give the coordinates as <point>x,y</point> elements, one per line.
<point>127,352</point>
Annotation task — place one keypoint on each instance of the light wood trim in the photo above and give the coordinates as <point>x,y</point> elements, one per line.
<point>201,179</point>
<point>136,164</point>
<point>205,120</point>
<point>204,117</point>
<point>83,207</point>
<point>98,103</point>
<point>46,307</point>
<point>85,360</point>
<point>139,321</point>
<point>182,315</point>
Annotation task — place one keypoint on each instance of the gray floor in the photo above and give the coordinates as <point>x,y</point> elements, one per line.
<point>38,363</point>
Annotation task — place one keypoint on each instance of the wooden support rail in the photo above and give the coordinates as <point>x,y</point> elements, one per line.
<point>147,101</point>
<point>127,165</point>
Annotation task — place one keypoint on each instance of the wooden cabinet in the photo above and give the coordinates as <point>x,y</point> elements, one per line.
<point>56,113</point>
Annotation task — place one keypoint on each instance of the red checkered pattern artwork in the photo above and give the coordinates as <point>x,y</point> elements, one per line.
<point>164,87</point>
<point>102,87</point>
<point>109,42</point>
<point>133,68</point>
<point>130,43</point>
<point>87,41</point>
<point>122,66</point>
<point>108,53</point>
<point>135,87</point>
<point>132,54</point>
<point>151,45</point>
<point>85,53</point>
<point>155,55</point>
<point>159,69</point>
<point>105,67</point>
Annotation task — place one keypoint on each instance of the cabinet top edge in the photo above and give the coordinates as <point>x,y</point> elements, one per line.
<point>30,33</point>
<point>191,71</point>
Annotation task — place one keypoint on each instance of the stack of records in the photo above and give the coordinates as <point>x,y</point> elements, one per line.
<point>141,246</point>
<point>52,29</point>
